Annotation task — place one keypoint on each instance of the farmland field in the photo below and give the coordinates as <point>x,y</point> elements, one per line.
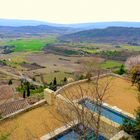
<point>131,48</point>
<point>111,64</point>
<point>57,59</point>
<point>31,44</point>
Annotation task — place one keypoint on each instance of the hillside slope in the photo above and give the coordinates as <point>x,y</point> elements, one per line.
<point>107,35</point>
<point>9,31</point>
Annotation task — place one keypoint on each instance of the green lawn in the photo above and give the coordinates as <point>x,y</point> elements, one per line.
<point>31,44</point>
<point>110,64</point>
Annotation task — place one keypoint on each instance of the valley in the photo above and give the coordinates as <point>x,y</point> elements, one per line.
<point>48,56</point>
<point>69,70</point>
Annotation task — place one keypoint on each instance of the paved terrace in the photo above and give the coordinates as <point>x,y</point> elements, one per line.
<point>33,124</point>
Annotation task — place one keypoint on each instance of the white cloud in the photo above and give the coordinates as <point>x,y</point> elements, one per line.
<point>71,11</point>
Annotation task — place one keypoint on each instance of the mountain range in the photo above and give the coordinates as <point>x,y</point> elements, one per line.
<point>94,25</point>
<point>102,32</point>
<point>39,30</point>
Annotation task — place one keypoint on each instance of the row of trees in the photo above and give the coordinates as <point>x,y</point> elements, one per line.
<point>25,87</point>
<point>54,84</point>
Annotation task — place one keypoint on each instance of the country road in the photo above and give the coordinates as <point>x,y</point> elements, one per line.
<point>20,77</point>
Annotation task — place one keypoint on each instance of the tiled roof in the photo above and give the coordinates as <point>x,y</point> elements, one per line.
<point>13,106</point>
<point>6,92</point>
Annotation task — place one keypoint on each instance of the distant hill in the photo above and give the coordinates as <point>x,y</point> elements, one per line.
<point>10,31</point>
<point>100,25</point>
<point>17,23</point>
<point>107,35</point>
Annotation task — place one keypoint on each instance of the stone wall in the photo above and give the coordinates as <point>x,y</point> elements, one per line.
<point>85,80</point>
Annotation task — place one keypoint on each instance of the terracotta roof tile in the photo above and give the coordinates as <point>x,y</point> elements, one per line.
<point>13,106</point>
<point>6,92</point>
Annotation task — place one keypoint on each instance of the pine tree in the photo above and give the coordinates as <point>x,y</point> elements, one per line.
<point>54,87</point>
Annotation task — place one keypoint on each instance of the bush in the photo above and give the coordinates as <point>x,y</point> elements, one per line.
<point>82,77</point>
<point>128,126</point>
<point>137,126</point>
<point>133,127</point>
<point>135,76</point>
<point>121,70</point>
<point>10,82</point>
<point>88,76</point>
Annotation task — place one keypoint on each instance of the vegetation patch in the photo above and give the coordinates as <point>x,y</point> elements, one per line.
<point>31,44</point>
<point>61,51</point>
<point>14,62</point>
<point>91,51</point>
<point>111,64</point>
<point>131,48</point>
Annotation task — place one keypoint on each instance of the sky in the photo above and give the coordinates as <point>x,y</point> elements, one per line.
<point>71,11</point>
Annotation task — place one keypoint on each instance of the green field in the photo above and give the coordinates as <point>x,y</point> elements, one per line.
<point>111,64</point>
<point>131,48</point>
<point>91,51</point>
<point>31,44</point>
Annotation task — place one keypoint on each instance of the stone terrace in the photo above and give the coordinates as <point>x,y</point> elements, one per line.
<point>121,93</point>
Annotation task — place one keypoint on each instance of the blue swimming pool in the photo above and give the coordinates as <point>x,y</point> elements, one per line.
<point>107,112</point>
<point>76,133</point>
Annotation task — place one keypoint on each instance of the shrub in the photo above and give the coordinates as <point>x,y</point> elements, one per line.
<point>121,70</point>
<point>135,76</point>
<point>128,126</point>
<point>133,127</point>
<point>10,82</point>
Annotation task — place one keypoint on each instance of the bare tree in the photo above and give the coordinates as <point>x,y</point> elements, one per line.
<point>132,61</point>
<point>135,76</point>
<point>133,66</point>
<point>70,106</point>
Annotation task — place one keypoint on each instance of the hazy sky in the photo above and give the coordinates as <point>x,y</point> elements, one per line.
<point>71,11</point>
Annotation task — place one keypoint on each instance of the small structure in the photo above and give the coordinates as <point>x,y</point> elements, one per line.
<point>49,96</point>
<point>70,80</point>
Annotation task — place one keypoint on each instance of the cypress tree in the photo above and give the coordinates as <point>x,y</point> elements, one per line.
<point>24,94</point>
<point>28,89</point>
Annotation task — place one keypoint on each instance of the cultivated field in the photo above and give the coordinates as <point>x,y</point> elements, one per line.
<point>47,56</point>
<point>22,45</point>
